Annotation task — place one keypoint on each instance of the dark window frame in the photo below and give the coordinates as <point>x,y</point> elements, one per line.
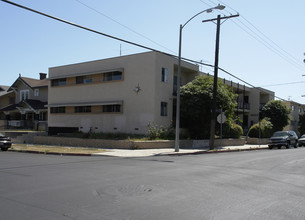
<point>164,109</point>
<point>83,79</point>
<point>113,76</point>
<point>112,108</point>
<point>82,109</point>
<point>164,75</point>
<point>59,82</point>
<point>58,110</point>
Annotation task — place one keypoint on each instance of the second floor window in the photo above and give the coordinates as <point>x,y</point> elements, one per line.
<point>24,94</point>
<point>59,82</point>
<point>83,79</point>
<point>164,75</point>
<point>36,92</point>
<point>111,76</point>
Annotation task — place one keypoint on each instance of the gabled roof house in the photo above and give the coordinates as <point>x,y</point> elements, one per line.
<point>27,109</point>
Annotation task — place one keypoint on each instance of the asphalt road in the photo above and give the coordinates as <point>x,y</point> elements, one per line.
<point>265,184</point>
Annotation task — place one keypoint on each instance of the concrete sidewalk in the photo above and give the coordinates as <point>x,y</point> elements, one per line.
<point>171,151</point>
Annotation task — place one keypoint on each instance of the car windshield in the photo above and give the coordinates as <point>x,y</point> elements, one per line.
<point>1,135</point>
<point>280,134</point>
<point>303,136</point>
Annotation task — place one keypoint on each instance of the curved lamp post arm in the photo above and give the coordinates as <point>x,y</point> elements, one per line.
<point>220,7</point>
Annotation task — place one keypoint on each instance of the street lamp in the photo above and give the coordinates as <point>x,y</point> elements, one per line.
<point>219,7</point>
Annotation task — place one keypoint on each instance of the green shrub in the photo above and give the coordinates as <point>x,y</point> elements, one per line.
<point>231,130</point>
<point>160,132</point>
<point>266,129</point>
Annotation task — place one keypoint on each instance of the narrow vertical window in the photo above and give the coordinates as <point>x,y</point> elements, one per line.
<point>163,108</point>
<point>164,75</point>
<point>36,92</point>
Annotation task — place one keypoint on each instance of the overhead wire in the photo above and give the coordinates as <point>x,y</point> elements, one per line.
<point>262,38</point>
<point>125,26</point>
<point>264,35</point>
<point>129,42</point>
<point>284,84</point>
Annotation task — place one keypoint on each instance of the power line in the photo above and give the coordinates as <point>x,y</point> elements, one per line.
<point>128,28</point>
<point>283,84</point>
<point>129,42</point>
<point>263,39</point>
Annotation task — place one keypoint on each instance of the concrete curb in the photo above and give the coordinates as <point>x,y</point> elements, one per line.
<point>50,153</point>
<point>213,151</point>
<point>153,154</point>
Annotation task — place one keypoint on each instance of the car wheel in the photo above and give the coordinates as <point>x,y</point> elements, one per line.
<point>279,147</point>
<point>288,144</point>
<point>270,147</point>
<point>4,148</point>
<point>295,144</point>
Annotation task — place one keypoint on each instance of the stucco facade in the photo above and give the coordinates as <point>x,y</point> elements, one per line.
<point>121,94</point>
<point>296,109</point>
<point>249,102</point>
<point>124,94</point>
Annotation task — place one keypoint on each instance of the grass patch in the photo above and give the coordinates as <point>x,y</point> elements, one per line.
<point>56,149</point>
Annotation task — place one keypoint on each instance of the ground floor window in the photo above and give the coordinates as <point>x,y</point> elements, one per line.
<point>163,108</point>
<point>43,116</point>
<point>111,108</point>
<point>58,109</point>
<point>82,109</point>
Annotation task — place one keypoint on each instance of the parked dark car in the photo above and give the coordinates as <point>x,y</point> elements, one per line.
<point>5,142</point>
<point>301,140</point>
<point>283,138</point>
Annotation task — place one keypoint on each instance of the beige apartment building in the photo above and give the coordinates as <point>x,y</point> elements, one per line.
<point>297,109</point>
<point>125,94</point>
<point>250,102</point>
<point>121,94</point>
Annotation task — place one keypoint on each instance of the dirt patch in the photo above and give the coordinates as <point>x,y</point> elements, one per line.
<point>55,149</point>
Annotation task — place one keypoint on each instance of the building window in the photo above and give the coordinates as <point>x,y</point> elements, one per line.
<point>59,82</point>
<point>111,108</point>
<point>164,75</point>
<point>82,109</point>
<point>36,92</point>
<point>43,116</point>
<point>24,94</point>
<point>58,109</point>
<point>163,108</point>
<point>83,79</point>
<point>112,76</point>
<point>292,108</point>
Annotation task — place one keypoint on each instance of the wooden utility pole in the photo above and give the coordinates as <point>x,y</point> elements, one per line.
<point>213,116</point>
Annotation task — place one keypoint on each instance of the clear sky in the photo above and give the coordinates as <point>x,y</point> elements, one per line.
<point>264,46</point>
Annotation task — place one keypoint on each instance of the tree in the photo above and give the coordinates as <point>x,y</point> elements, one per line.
<point>278,114</point>
<point>196,104</point>
<point>302,124</point>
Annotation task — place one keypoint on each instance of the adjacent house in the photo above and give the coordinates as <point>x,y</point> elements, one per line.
<point>24,104</point>
<point>6,98</point>
<point>125,94</point>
